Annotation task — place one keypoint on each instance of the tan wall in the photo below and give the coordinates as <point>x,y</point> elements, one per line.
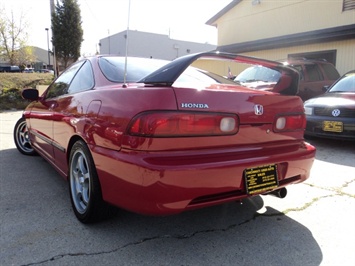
<point>345,57</point>
<point>273,18</point>
<point>220,67</point>
<point>41,88</point>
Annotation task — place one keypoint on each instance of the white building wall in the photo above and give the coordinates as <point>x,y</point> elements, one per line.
<point>150,45</point>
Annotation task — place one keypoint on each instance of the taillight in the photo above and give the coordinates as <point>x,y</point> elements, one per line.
<point>290,123</point>
<point>178,124</point>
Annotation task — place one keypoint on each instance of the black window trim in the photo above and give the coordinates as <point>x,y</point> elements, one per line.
<point>348,5</point>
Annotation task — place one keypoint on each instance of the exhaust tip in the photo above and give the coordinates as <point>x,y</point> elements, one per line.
<point>280,193</point>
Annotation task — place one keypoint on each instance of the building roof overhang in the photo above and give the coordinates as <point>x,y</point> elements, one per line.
<point>213,21</point>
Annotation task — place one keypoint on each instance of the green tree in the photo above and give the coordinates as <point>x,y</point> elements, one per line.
<point>13,38</point>
<point>67,31</point>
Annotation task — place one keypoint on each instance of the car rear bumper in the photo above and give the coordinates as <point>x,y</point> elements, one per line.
<point>315,128</point>
<point>171,182</point>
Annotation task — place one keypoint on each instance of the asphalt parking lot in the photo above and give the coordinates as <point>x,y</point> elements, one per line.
<point>313,225</point>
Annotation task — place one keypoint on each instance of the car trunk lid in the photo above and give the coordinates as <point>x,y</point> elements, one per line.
<point>251,106</point>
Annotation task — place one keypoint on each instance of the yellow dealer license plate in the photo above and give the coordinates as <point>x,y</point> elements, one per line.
<point>333,126</point>
<point>261,179</point>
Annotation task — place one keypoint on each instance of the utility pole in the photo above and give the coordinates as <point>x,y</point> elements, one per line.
<point>49,52</point>
<point>52,10</point>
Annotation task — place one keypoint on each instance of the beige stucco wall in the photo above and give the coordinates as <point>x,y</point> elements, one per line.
<point>272,18</point>
<point>345,53</point>
<point>275,18</point>
<point>221,67</point>
<point>41,88</point>
<point>345,57</point>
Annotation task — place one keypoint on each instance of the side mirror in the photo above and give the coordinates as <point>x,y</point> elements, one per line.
<point>30,94</point>
<point>325,88</point>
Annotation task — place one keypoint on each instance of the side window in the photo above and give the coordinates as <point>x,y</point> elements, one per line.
<point>61,84</point>
<point>83,80</point>
<point>330,71</point>
<point>313,73</point>
<point>300,71</point>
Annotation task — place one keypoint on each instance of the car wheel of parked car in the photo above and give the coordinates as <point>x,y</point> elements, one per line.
<point>84,185</point>
<point>21,138</point>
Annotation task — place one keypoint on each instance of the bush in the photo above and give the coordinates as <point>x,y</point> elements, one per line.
<point>11,99</point>
<point>11,85</point>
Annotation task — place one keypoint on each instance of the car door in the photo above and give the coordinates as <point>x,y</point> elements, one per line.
<point>69,110</point>
<point>43,113</point>
<point>313,82</point>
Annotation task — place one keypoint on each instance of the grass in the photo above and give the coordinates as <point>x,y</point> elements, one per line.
<point>11,85</point>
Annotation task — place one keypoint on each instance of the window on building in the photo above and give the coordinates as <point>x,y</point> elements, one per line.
<point>329,55</point>
<point>348,5</point>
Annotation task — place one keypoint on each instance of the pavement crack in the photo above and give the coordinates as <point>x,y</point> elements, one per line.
<point>307,204</point>
<point>141,241</point>
<point>337,192</point>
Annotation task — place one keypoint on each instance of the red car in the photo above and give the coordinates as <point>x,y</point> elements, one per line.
<point>160,138</point>
<point>315,77</point>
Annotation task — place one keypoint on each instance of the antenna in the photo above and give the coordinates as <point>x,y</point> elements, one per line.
<point>125,64</point>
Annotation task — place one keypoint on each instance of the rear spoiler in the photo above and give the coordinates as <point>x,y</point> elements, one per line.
<point>169,73</point>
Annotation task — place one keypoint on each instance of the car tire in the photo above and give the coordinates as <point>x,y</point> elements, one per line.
<point>84,186</point>
<point>22,139</point>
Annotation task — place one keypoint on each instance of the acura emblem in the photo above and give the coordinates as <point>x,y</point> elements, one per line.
<point>258,109</point>
<point>336,112</point>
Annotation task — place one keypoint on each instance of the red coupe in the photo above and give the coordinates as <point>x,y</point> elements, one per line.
<point>157,137</point>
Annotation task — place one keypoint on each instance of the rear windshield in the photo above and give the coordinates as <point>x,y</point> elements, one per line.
<point>196,77</point>
<point>137,68</point>
<point>258,73</point>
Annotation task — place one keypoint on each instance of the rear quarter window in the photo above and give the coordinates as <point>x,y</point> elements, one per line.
<point>83,80</point>
<point>300,71</point>
<point>330,72</point>
<point>137,68</point>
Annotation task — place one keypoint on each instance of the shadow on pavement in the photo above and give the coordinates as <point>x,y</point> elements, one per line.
<point>38,226</point>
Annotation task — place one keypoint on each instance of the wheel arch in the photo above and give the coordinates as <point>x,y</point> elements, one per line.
<point>72,140</point>
<point>95,208</point>
<point>21,137</point>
